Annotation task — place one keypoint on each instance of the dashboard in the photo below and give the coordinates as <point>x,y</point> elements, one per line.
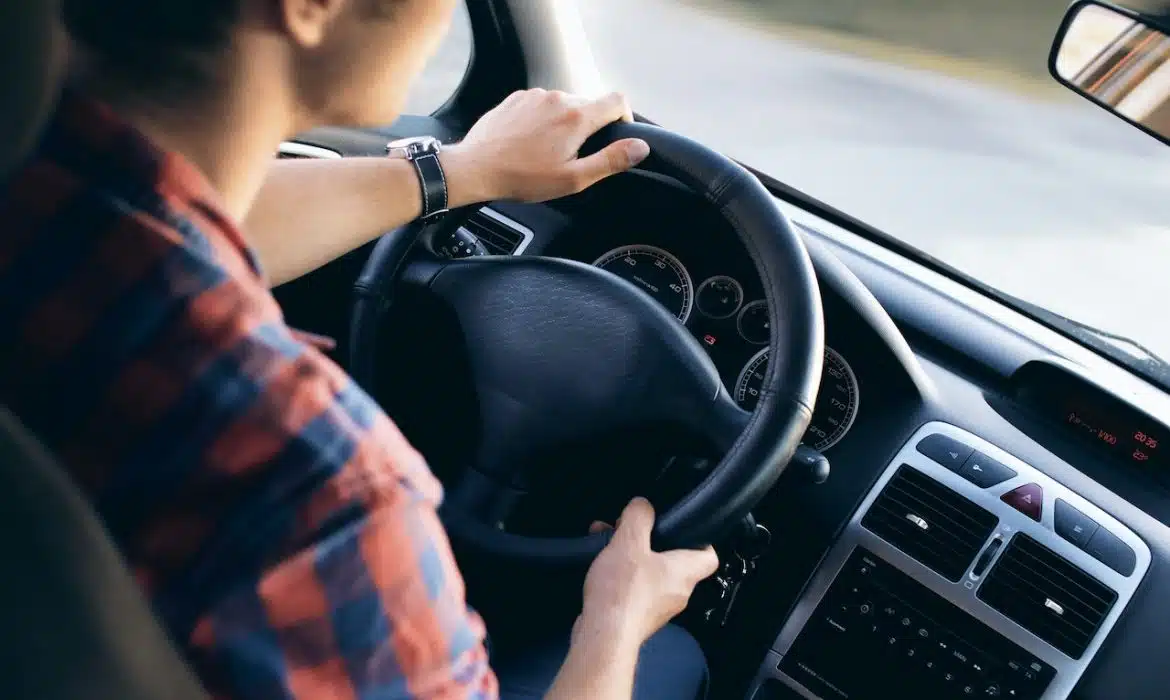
<point>718,314</point>
<point>995,522</point>
<point>682,255</point>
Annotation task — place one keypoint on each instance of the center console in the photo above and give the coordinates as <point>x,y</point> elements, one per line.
<point>965,573</point>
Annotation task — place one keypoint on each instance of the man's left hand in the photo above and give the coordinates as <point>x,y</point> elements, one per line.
<point>526,148</point>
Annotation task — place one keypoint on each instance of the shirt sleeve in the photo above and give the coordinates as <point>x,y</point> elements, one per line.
<point>321,569</point>
<point>356,593</point>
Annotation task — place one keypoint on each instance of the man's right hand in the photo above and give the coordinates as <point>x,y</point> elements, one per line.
<point>632,591</point>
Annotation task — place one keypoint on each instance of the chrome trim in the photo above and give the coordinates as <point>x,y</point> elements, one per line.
<point>712,280</point>
<point>964,593</point>
<point>527,233</point>
<point>306,150</point>
<point>795,685</point>
<point>743,310</point>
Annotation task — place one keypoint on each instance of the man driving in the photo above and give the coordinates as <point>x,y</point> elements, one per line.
<point>283,528</point>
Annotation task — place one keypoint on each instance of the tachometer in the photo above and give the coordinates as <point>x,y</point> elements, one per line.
<point>837,399</point>
<point>656,272</point>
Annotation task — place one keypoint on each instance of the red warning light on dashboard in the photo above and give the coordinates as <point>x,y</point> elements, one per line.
<point>710,339</point>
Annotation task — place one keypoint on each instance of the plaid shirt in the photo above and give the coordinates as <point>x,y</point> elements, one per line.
<point>282,527</point>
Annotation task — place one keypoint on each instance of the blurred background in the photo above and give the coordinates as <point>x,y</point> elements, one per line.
<point>934,120</point>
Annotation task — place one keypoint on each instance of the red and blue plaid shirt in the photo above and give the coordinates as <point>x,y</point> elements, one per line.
<point>283,528</point>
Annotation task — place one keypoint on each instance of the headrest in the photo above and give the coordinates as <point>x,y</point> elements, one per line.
<point>32,51</point>
<point>75,623</point>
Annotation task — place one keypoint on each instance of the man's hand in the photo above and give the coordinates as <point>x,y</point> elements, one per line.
<point>632,591</point>
<point>526,148</point>
<point>312,211</point>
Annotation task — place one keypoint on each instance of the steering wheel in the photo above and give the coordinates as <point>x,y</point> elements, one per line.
<point>560,351</point>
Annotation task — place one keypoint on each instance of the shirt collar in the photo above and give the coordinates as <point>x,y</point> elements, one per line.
<point>89,139</point>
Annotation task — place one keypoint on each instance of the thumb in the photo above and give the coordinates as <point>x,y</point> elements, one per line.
<point>636,522</point>
<point>693,565</point>
<point>615,158</point>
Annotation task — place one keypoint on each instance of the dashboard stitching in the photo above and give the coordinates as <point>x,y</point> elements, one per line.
<point>724,191</point>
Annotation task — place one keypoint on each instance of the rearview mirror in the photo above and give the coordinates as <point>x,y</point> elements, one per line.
<point>1119,59</point>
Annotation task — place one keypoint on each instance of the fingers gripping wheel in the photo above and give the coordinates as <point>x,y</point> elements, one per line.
<point>561,351</point>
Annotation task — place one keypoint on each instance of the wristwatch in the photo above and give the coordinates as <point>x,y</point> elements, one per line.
<point>423,153</point>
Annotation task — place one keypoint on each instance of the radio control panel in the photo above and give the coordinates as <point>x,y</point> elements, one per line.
<point>965,573</point>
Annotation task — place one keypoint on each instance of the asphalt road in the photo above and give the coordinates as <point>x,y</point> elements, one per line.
<point>1053,201</point>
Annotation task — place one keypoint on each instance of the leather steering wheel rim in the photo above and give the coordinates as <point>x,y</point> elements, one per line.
<point>764,441</point>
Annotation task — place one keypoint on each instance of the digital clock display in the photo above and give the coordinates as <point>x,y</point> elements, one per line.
<point>1137,444</point>
<point>1091,413</point>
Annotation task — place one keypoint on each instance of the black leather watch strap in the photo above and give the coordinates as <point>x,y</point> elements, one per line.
<point>433,183</point>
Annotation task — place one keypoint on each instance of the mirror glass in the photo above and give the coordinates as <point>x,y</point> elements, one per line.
<point>1119,61</point>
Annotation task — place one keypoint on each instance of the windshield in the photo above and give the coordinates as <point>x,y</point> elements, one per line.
<point>933,120</point>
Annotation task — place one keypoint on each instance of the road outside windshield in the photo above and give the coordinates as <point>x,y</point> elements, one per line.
<point>933,120</point>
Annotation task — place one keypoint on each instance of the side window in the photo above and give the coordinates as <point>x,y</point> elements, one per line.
<point>444,74</point>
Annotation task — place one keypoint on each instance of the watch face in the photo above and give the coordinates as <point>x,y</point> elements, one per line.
<point>402,143</point>
<point>415,145</point>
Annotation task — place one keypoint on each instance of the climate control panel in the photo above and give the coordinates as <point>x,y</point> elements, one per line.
<point>964,573</point>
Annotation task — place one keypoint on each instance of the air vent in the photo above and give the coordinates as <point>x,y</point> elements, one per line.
<point>1047,595</point>
<point>930,522</point>
<point>296,149</point>
<point>499,234</point>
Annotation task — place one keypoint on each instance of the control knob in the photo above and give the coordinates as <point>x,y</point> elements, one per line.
<point>460,243</point>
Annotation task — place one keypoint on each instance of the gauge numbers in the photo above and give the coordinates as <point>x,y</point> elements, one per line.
<point>656,272</point>
<point>837,398</point>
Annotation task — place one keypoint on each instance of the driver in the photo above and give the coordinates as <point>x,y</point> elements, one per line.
<point>283,528</point>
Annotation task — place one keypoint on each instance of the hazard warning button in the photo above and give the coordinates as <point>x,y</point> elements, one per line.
<point>1028,499</point>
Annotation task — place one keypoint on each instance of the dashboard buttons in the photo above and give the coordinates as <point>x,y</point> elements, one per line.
<point>1028,499</point>
<point>909,644</point>
<point>945,450</point>
<point>1108,549</point>
<point>1073,525</point>
<point>985,472</point>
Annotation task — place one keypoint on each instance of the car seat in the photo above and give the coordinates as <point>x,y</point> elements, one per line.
<point>75,624</point>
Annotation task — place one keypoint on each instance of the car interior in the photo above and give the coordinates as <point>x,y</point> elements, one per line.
<point>918,487</point>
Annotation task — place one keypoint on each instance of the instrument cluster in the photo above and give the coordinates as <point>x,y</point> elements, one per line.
<point>735,330</point>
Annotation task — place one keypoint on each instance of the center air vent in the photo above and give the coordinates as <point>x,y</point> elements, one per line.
<point>1047,595</point>
<point>499,234</point>
<point>930,522</point>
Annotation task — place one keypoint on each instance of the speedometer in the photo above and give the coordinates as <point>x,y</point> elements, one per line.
<point>654,271</point>
<point>837,398</point>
